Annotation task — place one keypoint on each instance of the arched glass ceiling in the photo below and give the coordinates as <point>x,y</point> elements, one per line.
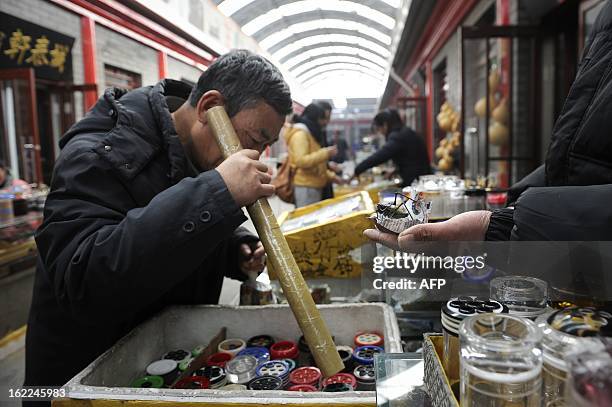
<point>317,73</point>
<point>321,26</point>
<point>305,68</point>
<point>335,50</point>
<point>316,40</point>
<point>305,6</point>
<point>332,39</point>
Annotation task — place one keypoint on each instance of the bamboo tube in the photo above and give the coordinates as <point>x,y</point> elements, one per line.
<point>281,259</point>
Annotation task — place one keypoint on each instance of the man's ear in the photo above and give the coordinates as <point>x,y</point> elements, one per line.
<point>208,100</point>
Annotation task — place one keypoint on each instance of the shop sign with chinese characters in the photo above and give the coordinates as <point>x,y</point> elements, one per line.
<point>27,45</point>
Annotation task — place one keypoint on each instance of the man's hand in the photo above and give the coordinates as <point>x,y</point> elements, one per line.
<point>252,258</point>
<point>246,177</point>
<point>468,226</point>
<point>334,166</point>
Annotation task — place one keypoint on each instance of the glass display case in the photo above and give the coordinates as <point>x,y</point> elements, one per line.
<point>499,110</point>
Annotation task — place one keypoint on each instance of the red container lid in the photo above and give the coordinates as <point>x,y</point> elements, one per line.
<point>302,387</point>
<point>305,375</point>
<point>284,350</point>
<point>369,339</point>
<point>341,378</point>
<point>193,382</point>
<point>218,359</point>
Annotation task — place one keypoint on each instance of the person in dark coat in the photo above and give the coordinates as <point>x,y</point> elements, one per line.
<point>403,146</point>
<point>144,212</point>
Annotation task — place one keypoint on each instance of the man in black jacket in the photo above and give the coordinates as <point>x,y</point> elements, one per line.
<point>403,146</point>
<point>144,212</point>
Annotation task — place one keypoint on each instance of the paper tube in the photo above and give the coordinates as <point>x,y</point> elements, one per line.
<point>281,259</point>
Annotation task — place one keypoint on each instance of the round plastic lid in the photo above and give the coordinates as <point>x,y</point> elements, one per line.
<point>273,368</point>
<point>341,378</point>
<point>161,367</point>
<point>284,350</point>
<point>262,354</point>
<point>337,387</point>
<point>218,359</point>
<point>241,364</point>
<point>365,354</point>
<point>155,382</point>
<point>178,355</point>
<point>302,387</point>
<point>193,382</point>
<point>368,338</point>
<point>265,383</point>
<point>365,373</point>
<point>261,340</point>
<point>305,375</point>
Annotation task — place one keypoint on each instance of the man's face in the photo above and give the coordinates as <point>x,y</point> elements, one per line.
<point>257,128</point>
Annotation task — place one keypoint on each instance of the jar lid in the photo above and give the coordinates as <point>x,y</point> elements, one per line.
<point>241,369</point>
<point>261,354</point>
<point>277,368</point>
<point>365,373</point>
<point>161,367</point>
<point>232,346</point>
<point>265,383</point>
<point>264,341</point>
<point>368,338</point>
<point>155,382</point>
<point>178,355</point>
<point>341,378</point>
<point>218,359</point>
<point>284,350</point>
<point>337,387</point>
<point>364,355</point>
<point>458,308</point>
<point>305,375</point>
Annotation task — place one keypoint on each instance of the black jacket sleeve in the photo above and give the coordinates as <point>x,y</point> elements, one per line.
<point>536,178</point>
<point>384,154</point>
<point>572,213</point>
<point>102,261</point>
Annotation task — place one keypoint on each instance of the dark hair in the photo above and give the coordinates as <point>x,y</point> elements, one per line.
<point>325,105</point>
<point>244,79</point>
<point>390,117</point>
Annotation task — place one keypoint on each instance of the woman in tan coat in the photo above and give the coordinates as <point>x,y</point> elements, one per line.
<point>308,157</point>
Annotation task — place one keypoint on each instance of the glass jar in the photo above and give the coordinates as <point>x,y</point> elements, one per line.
<point>564,332</point>
<point>590,377</point>
<point>501,361</point>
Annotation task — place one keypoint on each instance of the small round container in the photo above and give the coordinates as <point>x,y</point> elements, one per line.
<point>215,374</point>
<point>341,378</point>
<point>364,355</point>
<point>501,361</point>
<point>564,332</point>
<point>218,359</point>
<point>148,382</point>
<point>306,375</point>
<point>241,369</point>
<point>265,383</point>
<point>179,355</point>
<point>346,354</point>
<point>232,346</point>
<point>524,296</point>
<point>193,383</point>
<point>366,378</point>
<point>166,368</point>
<point>337,388</point>
<point>262,341</point>
<point>284,350</point>
<point>302,388</point>
<point>261,354</point>
<point>453,312</point>
<point>369,339</point>
<point>277,368</point>
<point>590,377</point>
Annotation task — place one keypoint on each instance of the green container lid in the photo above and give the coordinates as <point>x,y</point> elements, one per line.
<point>155,382</point>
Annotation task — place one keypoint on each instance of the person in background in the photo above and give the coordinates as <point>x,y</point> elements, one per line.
<point>344,152</point>
<point>403,146</point>
<point>328,190</point>
<point>10,184</point>
<point>308,157</point>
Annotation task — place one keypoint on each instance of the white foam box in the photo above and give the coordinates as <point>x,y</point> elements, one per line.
<point>104,382</point>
